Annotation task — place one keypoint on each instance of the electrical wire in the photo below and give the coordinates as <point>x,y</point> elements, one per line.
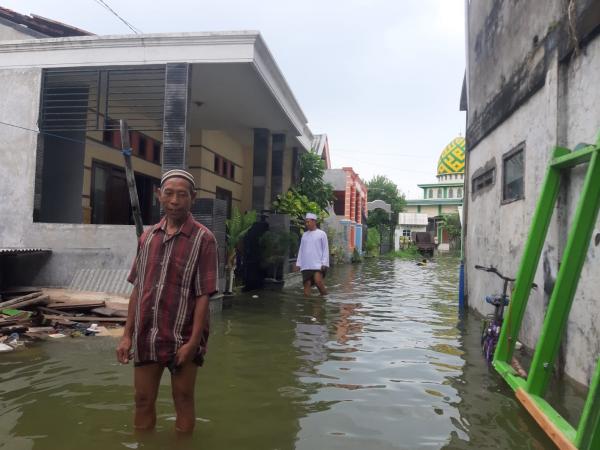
<point>42,132</point>
<point>112,11</point>
<point>83,142</point>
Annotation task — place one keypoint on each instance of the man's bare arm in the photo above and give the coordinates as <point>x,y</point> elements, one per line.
<point>188,350</point>
<point>125,343</point>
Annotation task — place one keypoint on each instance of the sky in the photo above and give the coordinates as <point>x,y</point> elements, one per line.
<point>382,78</point>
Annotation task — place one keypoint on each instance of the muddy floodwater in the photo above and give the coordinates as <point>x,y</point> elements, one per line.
<point>383,363</point>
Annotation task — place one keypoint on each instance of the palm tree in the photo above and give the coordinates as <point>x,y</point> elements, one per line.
<point>237,227</point>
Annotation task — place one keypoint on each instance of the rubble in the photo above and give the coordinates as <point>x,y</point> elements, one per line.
<point>31,314</point>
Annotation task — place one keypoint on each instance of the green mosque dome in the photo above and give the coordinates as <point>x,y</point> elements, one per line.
<point>452,159</point>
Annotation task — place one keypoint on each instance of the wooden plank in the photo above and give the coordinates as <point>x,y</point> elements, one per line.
<point>52,311</point>
<point>77,305</point>
<point>109,312</point>
<point>70,296</point>
<point>34,301</point>
<point>42,330</point>
<point>19,299</point>
<point>86,318</point>
<point>561,441</point>
<point>23,290</point>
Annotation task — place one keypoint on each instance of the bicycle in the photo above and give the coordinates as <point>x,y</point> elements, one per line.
<point>492,323</point>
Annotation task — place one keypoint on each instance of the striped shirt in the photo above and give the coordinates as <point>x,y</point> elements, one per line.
<point>169,273</point>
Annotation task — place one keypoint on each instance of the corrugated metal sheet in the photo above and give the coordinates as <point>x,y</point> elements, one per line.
<point>16,251</point>
<point>113,281</point>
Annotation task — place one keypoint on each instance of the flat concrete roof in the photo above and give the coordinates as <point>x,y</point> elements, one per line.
<point>230,50</point>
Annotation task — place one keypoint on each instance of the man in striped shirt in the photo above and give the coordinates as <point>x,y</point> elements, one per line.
<point>174,274</point>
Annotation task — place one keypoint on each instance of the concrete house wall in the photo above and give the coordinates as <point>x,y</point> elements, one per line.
<point>525,84</point>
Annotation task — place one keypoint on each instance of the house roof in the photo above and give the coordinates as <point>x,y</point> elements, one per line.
<point>39,24</point>
<point>320,145</point>
<point>235,77</point>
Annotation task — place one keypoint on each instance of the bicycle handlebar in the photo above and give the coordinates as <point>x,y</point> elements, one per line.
<point>492,269</point>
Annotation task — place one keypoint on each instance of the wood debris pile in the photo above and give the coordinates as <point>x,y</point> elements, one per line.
<point>28,314</point>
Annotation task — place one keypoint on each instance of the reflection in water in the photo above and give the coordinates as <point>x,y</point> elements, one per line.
<point>381,363</point>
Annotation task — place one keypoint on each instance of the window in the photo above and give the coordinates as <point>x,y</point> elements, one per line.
<point>460,193</point>
<point>156,153</point>
<point>513,175</point>
<point>450,193</point>
<point>339,204</point>
<point>142,147</point>
<point>224,168</point>
<point>110,196</point>
<point>224,194</point>
<point>439,193</point>
<point>406,233</point>
<point>430,193</point>
<point>484,180</point>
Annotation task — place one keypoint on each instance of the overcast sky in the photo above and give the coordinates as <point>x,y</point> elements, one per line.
<point>381,77</point>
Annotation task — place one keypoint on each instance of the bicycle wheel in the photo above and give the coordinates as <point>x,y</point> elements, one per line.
<point>492,348</point>
<point>484,330</point>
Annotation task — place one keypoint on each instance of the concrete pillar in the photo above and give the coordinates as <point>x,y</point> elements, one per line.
<point>176,116</point>
<point>277,165</point>
<point>261,173</point>
<point>295,166</point>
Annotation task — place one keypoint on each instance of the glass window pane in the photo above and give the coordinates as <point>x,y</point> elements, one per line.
<point>513,177</point>
<point>100,177</point>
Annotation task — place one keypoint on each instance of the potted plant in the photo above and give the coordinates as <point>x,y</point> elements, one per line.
<point>275,250</point>
<point>237,227</point>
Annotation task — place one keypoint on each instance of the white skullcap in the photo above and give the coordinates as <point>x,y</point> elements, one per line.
<point>179,174</point>
<point>311,216</point>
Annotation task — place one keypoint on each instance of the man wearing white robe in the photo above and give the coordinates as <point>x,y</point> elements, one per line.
<point>313,256</point>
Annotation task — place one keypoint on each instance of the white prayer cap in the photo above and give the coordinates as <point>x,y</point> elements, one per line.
<point>310,216</point>
<point>179,174</point>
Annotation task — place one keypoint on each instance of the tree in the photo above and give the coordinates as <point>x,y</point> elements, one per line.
<point>311,194</point>
<point>296,205</point>
<point>451,223</point>
<point>311,181</point>
<point>382,188</point>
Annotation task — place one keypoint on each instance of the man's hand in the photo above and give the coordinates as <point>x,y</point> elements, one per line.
<point>324,269</point>
<point>296,268</point>
<point>123,350</point>
<point>185,353</point>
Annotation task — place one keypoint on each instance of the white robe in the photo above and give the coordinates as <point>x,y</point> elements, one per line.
<point>314,250</point>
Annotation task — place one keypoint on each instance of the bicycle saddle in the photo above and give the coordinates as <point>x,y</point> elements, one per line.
<point>496,300</point>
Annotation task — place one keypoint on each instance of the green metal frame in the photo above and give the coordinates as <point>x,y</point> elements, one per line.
<point>531,391</point>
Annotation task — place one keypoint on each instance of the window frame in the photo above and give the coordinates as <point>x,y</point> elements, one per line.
<point>488,174</point>
<point>520,148</point>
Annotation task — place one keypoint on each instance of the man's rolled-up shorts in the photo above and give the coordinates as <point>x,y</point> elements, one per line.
<point>309,275</point>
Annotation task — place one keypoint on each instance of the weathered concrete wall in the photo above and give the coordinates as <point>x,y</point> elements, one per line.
<point>506,44</point>
<point>74,246</point>
<point>497,232</point>
<point>508,105</point>
<point>20,94</point>
<point>583,125</point>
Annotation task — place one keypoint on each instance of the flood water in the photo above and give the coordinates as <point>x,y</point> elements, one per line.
<point>383,363</point>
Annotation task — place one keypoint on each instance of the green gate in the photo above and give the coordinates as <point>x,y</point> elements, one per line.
<point>531,391</point>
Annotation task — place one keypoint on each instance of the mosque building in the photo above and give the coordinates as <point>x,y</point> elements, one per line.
<point>440,198</point>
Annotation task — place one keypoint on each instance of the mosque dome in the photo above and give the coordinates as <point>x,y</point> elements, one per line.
<point>452,159</point>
